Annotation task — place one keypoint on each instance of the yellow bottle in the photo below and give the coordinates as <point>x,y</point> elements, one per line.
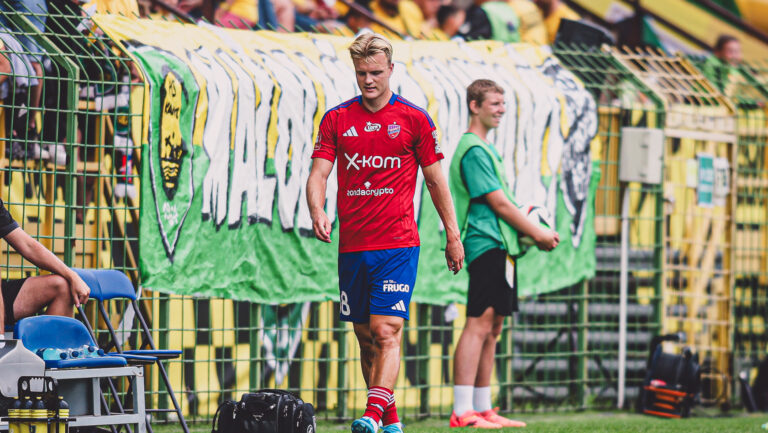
<point>63,413</point>
<point>25,413</point>
<point>39,423</point>
<point>13,414</point>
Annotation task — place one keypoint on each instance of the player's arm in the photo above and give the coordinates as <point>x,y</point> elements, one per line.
<point>545,239</point>
<point>441,197</point>
<point>38,255</point>
<point>316,186</point>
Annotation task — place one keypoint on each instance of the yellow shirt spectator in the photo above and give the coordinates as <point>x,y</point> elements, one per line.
<point>247,9</point>
<point>128,8</point>
<point>532,28</point>
<point>408,20</point>
<point>552,22</point>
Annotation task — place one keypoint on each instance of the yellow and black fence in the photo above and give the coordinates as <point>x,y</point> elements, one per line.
<point>177,152</point>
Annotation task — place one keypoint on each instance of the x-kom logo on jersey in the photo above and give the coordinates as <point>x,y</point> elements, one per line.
<point>358,161</point>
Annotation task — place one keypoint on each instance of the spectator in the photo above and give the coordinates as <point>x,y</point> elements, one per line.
<point>36,11</point>
<point>403,16</point>
<point>237,14</point>
<point>532,28</point>
<point>722,66</point>
<point>312,14</point>
<point>194,8</point>
<point>356,20</point>
<point>449,20</point>
<point>15,95</point>
<point>57,293</point>
<point>429,10</point>
<point>554,11</point>
<point>491,19</point>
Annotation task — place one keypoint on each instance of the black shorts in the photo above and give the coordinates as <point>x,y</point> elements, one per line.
<point>488,285</point>
<point>10,290</point>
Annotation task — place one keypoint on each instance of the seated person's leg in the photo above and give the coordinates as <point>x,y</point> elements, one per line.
<point>51,291</point>
<point>10,289</point>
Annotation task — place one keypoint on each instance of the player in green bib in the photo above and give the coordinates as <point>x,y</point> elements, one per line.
<point>489,221</point>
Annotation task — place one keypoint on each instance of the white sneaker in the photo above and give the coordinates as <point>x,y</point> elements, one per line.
<point>57,154</point>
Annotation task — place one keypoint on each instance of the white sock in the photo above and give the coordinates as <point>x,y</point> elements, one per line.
<point>481,399</point>
<point>462,399</point>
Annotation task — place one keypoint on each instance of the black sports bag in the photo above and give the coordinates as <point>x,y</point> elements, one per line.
<point>265,411</point>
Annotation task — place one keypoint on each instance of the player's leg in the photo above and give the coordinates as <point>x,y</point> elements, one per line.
<point>51,291</point>
<point>365,341</point>
<point>504,294</point>
<point>354,302</point>
<point>466,366</point>
<point>393,275</point>
<point>478,329</point>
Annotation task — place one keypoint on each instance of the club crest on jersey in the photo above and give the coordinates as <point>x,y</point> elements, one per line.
<point>371,127</point>
<point>393,130</point>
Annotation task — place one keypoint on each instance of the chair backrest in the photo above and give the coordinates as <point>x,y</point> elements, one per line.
<point>107,284</point>
<point>90,279</point>
<point>114,284</point>
<point>56,332</point>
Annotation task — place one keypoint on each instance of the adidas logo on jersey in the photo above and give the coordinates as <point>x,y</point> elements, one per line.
<point>400,306</point>
<point>351,132</point>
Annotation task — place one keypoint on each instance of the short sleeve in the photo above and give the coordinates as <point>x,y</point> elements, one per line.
<point>325,145</point>
<point>428,149</point>
<point>7,223</point>
<point>478,173</point>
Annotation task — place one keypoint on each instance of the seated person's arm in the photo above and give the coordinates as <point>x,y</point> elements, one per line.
<point>39,256</point>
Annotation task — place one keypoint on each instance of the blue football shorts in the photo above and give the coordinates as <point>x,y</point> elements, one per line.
<point>376,282</point>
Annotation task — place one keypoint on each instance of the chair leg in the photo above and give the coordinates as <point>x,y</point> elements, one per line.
<point>112,388</point>
<point>168,387</point>
<point>148,336</point>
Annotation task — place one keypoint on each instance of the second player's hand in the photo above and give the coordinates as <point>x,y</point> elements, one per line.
<point>547,240</point>
<point>454,256</point>
<point>322,226</point>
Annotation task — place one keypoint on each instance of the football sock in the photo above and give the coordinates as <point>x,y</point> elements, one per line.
<point>481,399</point>
<point>462,399</point>
<point>390,413</point>
<point>378,400</point>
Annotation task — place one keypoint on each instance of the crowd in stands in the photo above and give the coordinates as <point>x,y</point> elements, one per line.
<point>30,133</point>
<point>534,21</point>
<point>34,126</point>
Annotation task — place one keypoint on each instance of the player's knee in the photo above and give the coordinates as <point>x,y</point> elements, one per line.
<point>59,287</point>
<point>386,335</point>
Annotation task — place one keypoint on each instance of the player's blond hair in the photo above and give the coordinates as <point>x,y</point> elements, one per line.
<point>368,45</point>
<point>479,88</point>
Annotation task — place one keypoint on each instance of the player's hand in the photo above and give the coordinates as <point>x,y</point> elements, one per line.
<point>322,226</point>
<point>547,239</point>
<point>454,255</point>
<point>79,290</point>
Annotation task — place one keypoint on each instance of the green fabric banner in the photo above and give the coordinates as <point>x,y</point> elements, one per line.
<point>230,123</point>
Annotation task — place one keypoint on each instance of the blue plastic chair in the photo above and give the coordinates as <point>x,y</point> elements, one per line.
<point>57,332</point>
<point>109,284</point>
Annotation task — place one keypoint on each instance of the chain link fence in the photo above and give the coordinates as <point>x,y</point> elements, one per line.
<point>72,126</point>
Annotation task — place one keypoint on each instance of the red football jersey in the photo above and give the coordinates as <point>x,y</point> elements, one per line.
<point>378,160</point>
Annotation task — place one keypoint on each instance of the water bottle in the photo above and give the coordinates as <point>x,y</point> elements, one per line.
<point>62,415</point>
<point>13,414</point>
<point>88,351</point>
<point>39,415</point>
<point>74,353</point>
<point>25,413</point>
<point>52,354</point>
